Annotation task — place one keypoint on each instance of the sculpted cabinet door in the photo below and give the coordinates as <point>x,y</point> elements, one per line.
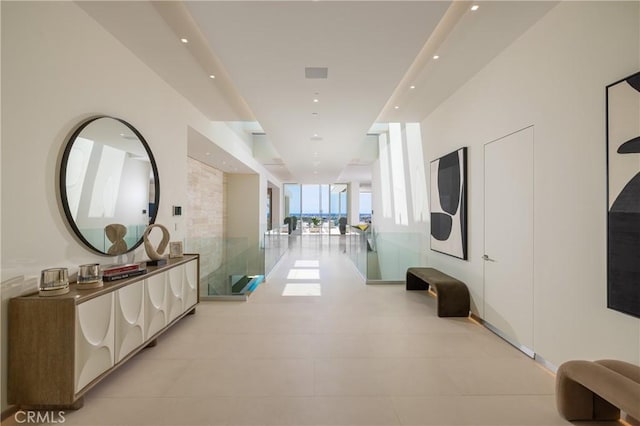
<point>94,339</point>
<point>129,317</point>
<point>175,291</point>
<point>155,306</point>
<point>190,284</point>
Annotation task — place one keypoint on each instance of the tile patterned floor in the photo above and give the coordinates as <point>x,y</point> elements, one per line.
<point>355,355</point>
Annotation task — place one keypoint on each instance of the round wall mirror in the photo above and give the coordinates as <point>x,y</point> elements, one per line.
<point>109,185</point>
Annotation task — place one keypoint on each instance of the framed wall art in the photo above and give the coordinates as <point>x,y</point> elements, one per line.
<point>623,195</point>
<point>449,204</point>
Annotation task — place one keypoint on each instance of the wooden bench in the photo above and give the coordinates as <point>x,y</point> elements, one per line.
<point>598,390</point>
<point>452,294</point>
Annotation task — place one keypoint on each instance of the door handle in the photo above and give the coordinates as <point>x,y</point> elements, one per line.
<point>487,258</point>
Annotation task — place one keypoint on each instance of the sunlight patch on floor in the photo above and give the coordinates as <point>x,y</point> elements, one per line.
<point>307,264</point>
<point>302,289</point>
<point>303,274</point>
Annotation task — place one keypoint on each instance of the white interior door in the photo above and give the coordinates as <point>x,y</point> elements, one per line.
<point>508,265</point>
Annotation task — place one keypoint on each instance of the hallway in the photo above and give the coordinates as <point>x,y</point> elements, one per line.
<point>343,354</point>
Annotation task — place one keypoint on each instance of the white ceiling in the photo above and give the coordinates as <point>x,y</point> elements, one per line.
<point>258,51</point>
<point>200,148</point>
<point>366,46</point>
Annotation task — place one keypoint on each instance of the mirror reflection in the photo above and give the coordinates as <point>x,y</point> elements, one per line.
<point>109,185</point>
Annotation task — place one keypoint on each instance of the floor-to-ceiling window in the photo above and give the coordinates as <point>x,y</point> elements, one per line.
<point>318,207</point>
<point>311,209</point>
<point>365,207</point>
<point>315,209</point>
<point>292,203</point>
<point>338,207</point>
<point>269,209</point>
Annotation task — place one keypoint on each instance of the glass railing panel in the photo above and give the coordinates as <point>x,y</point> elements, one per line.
<point>225,263</point>
<point>357,247</point>
<point>385,256</point>
<point>393,253</point>
<point>275,245</point>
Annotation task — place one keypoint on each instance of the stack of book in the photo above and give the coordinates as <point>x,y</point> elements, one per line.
<point>118,272</point>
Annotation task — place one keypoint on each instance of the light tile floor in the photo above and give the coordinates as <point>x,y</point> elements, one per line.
<point>355,355</point>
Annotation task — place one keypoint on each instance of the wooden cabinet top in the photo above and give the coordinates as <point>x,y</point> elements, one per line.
<point>82,295</point>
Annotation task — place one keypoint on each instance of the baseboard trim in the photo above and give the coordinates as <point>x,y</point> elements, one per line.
<point>546,364</point>
<point>552,368</point>
<point>11,410</point>
<point>228,298</point>
<point>522,348</point>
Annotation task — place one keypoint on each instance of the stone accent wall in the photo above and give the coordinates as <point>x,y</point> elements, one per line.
<point>206,214</point>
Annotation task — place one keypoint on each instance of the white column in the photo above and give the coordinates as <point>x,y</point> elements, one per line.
<point>354,203</point>
<point>276,207</point>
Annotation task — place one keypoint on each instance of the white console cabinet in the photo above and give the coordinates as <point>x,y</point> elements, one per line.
<point>62,346</point>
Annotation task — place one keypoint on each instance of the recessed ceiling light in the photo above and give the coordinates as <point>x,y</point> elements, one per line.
<point>316,101</point>
<point>396,107</point>
<point>212,76</point>
<point>315,135</point>
<point>184,40</point>
<point>435,56</point>
<point>475,7</point>
<point>412,87</point>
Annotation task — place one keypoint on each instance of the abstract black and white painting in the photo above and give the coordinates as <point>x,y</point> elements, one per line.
<point>449,204</point>
<point>623,176</point>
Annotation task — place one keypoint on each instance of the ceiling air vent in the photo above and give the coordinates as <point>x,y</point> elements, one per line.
<point>316,72</point>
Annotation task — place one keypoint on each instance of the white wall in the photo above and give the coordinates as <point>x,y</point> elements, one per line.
<point>390,212</point>
<point>244,209</point>
<point>58,68</point>
<point>553,78</point>
<point>399,244</point>
<point>51,83</point>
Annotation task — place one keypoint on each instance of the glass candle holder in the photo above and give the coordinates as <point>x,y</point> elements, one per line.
<point>89,276</point>
<point>54,281</point>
